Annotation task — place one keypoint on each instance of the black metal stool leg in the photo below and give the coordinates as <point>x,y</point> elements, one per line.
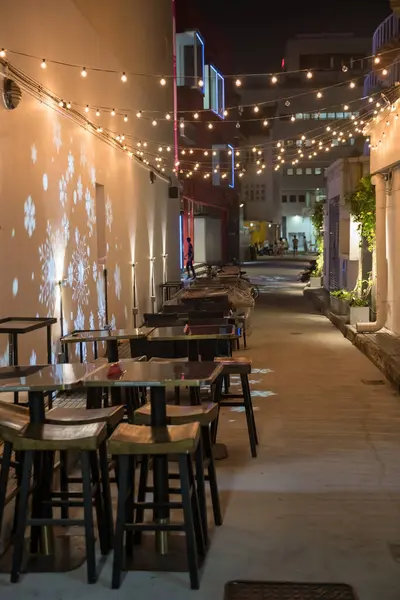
<point>106,492</point>
<point>201,490</point>
<point>88,516</point>
<point>250,422</point>
<point>144,471</point>
<point>64,482</point>
<point>251,409</point>
<point>123,468</point>
<point>19,540</point>
<point>189,522</point>
<point>99,506</point>
<point>129,506</point>
<point>212,475</point>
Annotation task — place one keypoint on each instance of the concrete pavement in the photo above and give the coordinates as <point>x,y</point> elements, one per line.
<point>322,500</point>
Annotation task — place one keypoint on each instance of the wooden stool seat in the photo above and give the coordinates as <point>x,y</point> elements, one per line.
<point>156,359</point>
<point>57,437</point>
<point>83,416</point>
<point>13,420</point>
<point>174,439</point>
<point>179,415</point>
<point>236,365</point>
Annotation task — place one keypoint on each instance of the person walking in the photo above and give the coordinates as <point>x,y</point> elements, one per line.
<point>190,259</point>
<point>305,245</point>
<point>295,245</point>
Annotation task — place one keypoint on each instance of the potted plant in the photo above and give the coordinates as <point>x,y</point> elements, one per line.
<point>340,302</point>
<point>316,278</point>
<point>359,310</point>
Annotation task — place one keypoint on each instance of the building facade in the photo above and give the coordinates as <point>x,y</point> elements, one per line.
<point>82,194</point>
<point>305,106</point>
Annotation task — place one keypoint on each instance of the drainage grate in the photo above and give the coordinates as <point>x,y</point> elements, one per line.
<point>373,381</point>
<point>270,590</point>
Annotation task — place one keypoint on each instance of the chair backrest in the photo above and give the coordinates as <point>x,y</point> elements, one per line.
<point>160,319</point>
<point>206,315</point>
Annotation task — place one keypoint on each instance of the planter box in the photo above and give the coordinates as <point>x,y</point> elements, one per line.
<point>359,314</point>
<point>339,306</point>
<point>315,282</point>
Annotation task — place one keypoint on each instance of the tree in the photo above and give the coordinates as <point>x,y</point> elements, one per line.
<point>362,207</point>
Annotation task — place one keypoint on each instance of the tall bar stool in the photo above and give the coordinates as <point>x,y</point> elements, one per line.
<point>13,420</point>
<point>205,415</point>
<point>46,440</point>
<point>127,443</point>
<point>242,367</point>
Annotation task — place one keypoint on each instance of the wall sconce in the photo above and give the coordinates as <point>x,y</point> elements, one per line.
<point>153,287</point>
<point>135,309</point>
<point>63,357</point>
<point>165,276</point>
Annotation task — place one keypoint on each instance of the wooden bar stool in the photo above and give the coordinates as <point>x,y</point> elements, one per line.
<point>127,443</point>
<point>205,415</point>
<point>238,366</point>
<point>13,420</point>
<point>47,439</point>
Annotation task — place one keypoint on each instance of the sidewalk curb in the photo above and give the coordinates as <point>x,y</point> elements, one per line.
<point>387,362</point>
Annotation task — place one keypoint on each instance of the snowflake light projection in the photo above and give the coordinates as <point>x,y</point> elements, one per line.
<point>101,302</point>
<point>71,164</point>
<point>81,266</point>
<point>15,287</point>
<point>62,184</point>
<point>79,189</point>
<point>90,211</point>
<point>70,275</point>
<point>33,358</point>
<point>30,216</point>
<point>33,154</point>
<point>65,229</point>
<point>113,322</point>
<point>57,136</point>
<point>47,256</point>
<point>83,157</point>
<point>94,270</point>
<point>93,176</point>
<point>79,323</point>
<point>91,320</point>
<point>45,182</point>
<point>117,281</point>
<point>109,213</point>
<point>4,358</point>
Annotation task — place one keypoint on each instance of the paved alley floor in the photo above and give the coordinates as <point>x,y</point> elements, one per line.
<point>322,500</point>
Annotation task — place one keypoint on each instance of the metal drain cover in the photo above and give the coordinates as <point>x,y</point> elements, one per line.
<point>270,590</point>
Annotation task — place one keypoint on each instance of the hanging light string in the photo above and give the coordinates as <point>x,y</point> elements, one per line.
<point>163,79</point>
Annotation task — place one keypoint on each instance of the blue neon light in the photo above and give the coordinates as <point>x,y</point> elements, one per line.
<point>201,75</point>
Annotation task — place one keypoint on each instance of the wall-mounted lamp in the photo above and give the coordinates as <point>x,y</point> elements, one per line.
<point>153,297</point>
<point>62,283</point>
<point>241,205</point>
<point>135,309</point>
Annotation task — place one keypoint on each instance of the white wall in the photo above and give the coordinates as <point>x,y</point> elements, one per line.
<point>207,240</point>
<point>49,168</point>
<point>299,225</point>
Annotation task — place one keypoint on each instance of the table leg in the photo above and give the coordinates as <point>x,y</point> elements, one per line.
<point>48,328</point>
<point>160,467</point>
<point>193,354</point>
<point>13,356</point>
<point>112,356</point>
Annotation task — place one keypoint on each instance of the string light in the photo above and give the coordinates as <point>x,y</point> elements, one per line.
<point>163,81</point>
<point>309,75</point>
<point>238,83</point>
<point>265,123</point>
<point>210,126</point>
<point>256,109</point>
<point>87,108</point>
<point>168,116</point>
<point>126,118</point>
<point>352,84</point>
<point>61,104</point>
<point>124,78</point>
<point>377,60</point>
<point>97,113</point>
<point>139,114</point>
<point>3,53</point>
<point>113,113</point>
<point>43,64</point>
<point>274,79</point>
<point>196,115</point>
<point>319,94</point>
<point>384,72</point>
<point>200,83</point>
<point>225,113</point>
<point>154,123</point>
<point>84,72</point>
<point>68,105</point>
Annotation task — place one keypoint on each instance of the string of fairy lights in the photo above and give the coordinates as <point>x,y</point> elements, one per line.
<point>156,156</point>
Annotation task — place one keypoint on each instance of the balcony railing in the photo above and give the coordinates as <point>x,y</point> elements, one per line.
<point>387,32</point>
<point>374,81</point>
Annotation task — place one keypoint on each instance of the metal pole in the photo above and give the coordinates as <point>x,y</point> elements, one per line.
<point>106,293</point>
<point>134,310</point>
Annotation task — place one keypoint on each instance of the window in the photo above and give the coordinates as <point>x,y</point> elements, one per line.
<point>299,171</point>
<point>214,91</point>
<point>339,115</point>
<point>190,59</point>
<point>299,143</point>
<point>347,115</point>
<point>284,198</point>
<point>299,115</point>
<point>308,171</point>
<point>223,161</point>
<point>302,198</point>
<point>331,115</point>
<point>318,171</point>
<point>292,198</point>
<point>306,116</point>
<point>322,115</point>
<point>289,172</point>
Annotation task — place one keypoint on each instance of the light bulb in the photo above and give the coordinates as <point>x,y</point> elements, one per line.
<point>256,109</point>
<point>237,153</point>
<point>345,107</point>
<point>309,75</point>
<point>84,72</point>
<point>200,83</point>
<point>319,95</point>
<point>3,53</point>
<point>163,81</point>
<point>168,148</point>
<point>168,116</point>
<point>352,84</point>
<point>87,108</point>
<point>370,100</point>
<point>265,123</point>
<point>97,113</point>
<point>160,149</point>
<point>214,153</point>
<point>345,68</point>
<point>68,104</point>
<point>238,83</point>
<point>124,78</point>
<point>126,118</point>
<point>255,149</point>
<point>182,125</point>
<point>292,118</point>
<point>274,79</point>
<point>225,113</point>
<point>205,153</point>
<point>377,60</point>
<point>99,130</point>
<point>139,114</point>
<point>190,151</point>
<point>196,115</point>
<point>113,112</point>
<point>384,72</point>
<point>210,126</point>
<point>44,64</point>
<point>61,104</point>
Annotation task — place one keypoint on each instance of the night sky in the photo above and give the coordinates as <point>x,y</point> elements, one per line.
<point>245,36</point>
